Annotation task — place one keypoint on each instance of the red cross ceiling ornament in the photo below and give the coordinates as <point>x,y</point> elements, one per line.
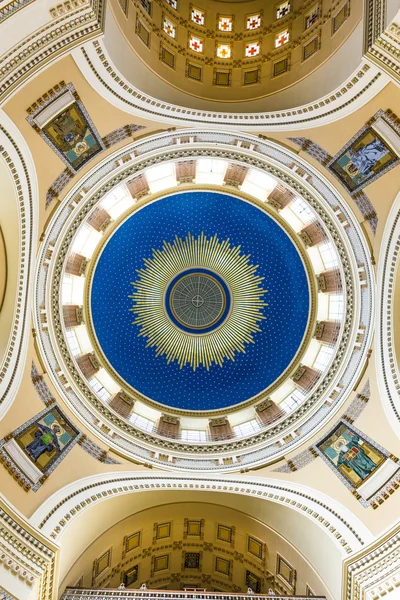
<point>253,21</point>
<point>198,16</point>
<point>195,44</point>
<point>252,49</point>
<point>224,51</point>
<point>281,38</point>
<point>225,24</point>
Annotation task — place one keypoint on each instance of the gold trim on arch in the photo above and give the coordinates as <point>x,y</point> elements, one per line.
<point>302,347</point>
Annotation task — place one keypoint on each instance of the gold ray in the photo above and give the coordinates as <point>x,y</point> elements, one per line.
<point>232,335</point>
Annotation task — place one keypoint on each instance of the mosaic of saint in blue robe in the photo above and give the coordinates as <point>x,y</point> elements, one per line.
<point>353,457</point>
<point>45,441</point>
<point>47,438</point>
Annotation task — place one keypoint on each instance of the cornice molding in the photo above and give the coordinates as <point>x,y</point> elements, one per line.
<point>97,66</point>
<point>371,570</point>
<point>26,553</point>
<point>47,44</point>
<point>55,515</point>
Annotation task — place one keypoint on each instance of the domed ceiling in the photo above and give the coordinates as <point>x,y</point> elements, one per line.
<point>192,300</point>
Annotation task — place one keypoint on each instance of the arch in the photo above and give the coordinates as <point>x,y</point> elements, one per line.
<point>297,510</point>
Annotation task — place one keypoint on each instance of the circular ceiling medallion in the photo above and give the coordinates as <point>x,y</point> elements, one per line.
<point>199,301</point>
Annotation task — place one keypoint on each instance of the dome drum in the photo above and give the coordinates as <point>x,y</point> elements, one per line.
<point>155,437</point>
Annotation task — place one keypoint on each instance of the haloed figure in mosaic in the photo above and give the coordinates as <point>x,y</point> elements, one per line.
<point>46,438</point>
<point>354,457</point>
<point>366,156</point>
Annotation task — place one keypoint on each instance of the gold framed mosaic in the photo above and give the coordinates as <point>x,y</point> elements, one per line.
<point>162,531</point>
<point>223,566</point>
<point>280,66</point>
<point>191,560</point>
<point>130,576</point>
<point>222,78</point>
<point>286,573</point>
<point>340,17</point>
<point>253,582</point>
<point>251,77</point>
<point>194,71</point>
<point>193,528</point>
<point>131,542</point>
<point>255,547</point>
<point>225,533</point>
<point>101,564</point>
<point>143,33</point>
<point>167,57</point>
<point>160,563</point>
<point>311,47</point>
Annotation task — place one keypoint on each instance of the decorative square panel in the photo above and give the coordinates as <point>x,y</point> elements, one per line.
<point>281,38</point>
<point>253,582</point>
<point>130,576</point>
<point>253,21</point>
<point>340,17</point>
<point>255,547</point>
<point>195,43</point>
<point>146,4</point>
<point>312,17</point>
<point>224,50</point>
<point>225,23</point>
<point>162,530</point>
<point>280,66</point>
<point>194,71</point>
<point>223,566</point>
<point>224,533</point>
<point>169,28</point>
<point>286,573</point>
<point>192,560</point>
<point>198,16</point>
<point>282,9</point>
<point>310,48</point>
<point>193,527</point>
<point>131,542</point>
<point>101,564</point>
<point>167,57</point>
<point>222,78</point>
<point>143,33</point>
<point>250,77</point>
<point>252,49</point>
<point>160,563</point>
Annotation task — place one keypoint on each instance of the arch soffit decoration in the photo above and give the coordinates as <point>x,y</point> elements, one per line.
<point>54,516</point>
<point>97,66</point>
<point>101,174</point>
<point>386,361</point>
<point>17,156</point>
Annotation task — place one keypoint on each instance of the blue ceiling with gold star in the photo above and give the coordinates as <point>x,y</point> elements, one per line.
<point>179,261</point>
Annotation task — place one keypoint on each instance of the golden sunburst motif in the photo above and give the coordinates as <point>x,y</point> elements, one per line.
<point>198,301</point>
